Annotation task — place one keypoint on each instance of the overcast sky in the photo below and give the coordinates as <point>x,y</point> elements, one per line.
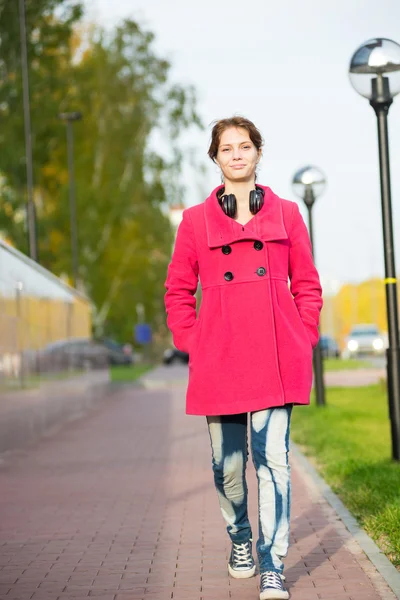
<point>284,65</point>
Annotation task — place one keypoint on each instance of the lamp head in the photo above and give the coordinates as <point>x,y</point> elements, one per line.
<point>375,70</point>
<point>308,183</point>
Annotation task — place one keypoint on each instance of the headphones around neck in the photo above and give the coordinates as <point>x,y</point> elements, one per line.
<point>228,202</point>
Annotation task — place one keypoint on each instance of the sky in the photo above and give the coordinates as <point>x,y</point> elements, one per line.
<point>284,65</point>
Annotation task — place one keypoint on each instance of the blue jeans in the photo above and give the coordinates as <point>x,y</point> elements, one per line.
<point>270,447</point>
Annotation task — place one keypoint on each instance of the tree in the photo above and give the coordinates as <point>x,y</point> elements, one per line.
<point>123,180</point>
<point>122,89</point>
<point>49,57</point>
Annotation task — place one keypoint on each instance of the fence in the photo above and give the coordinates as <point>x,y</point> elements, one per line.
<point>36,309</point>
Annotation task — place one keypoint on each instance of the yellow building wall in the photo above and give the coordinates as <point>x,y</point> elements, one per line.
<point>355,303</point>
<point>28,322</point>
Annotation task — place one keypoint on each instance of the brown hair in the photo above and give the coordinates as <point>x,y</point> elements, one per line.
<point>222,124</point>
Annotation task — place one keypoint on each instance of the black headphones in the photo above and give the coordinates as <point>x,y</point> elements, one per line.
<point>228,202</point>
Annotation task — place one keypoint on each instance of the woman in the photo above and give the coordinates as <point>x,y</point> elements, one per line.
<point>250,348</point>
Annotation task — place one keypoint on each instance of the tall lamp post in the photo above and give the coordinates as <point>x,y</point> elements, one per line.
<point>69,118</point>
<point>369,71</point>
<point>308,183</point>
<point>30,205</point>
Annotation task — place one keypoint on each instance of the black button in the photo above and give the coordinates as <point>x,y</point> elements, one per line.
<point>226,249</point>
<point>258,245</point>
<point>228,276</point>
<point>261,271</point>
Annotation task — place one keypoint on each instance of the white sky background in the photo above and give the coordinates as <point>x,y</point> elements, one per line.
<point>284,65</point>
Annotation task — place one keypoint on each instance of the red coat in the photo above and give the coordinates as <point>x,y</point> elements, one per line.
<point>250,346</point>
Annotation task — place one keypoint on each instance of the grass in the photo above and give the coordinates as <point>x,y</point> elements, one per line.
<point>349,442</point>
<point>341,364</point>
<point>124,374</point>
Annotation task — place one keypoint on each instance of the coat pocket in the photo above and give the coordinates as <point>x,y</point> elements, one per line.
<point>194,340</point>
<point>289,308</point>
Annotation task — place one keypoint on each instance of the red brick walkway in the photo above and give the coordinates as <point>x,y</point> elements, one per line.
<point>121,505</point>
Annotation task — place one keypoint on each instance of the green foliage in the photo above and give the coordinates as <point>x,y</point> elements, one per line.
<point>349,440</point>
<point>124,180</point>
<point>48,47</point>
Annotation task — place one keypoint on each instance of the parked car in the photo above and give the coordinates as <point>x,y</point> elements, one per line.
<point>118,354</point>
<point>73,353</point>
<point>329,346</point>
<point>173,355</point>
<point>365,339</point>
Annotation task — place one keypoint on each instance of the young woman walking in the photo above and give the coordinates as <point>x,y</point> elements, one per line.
<point>250,347</point>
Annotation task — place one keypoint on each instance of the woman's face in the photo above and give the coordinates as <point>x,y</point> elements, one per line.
<point>237,156</point>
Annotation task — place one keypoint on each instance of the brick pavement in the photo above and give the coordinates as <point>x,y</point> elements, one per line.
<point>120,505</point>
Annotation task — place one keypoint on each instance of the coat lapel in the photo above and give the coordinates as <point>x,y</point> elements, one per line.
<point>267,225</point>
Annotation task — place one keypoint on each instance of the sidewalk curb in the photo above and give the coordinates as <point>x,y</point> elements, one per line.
<point>367,545</point>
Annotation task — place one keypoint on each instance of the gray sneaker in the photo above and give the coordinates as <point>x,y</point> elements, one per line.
<point>271,586</point>
<point>241,563</point>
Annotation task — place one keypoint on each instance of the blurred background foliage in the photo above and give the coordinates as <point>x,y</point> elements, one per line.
<point>124,183</point>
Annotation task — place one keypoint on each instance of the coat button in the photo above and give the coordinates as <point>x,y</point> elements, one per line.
<point>228,276</point>
<point>261,271</point>
<point>258,245</point>
<point>226,249</point>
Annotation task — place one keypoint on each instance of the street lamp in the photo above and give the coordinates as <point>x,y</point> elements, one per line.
<point>30,205</point>
<point>69,118</point>
<point>19,286</point>
<point>369,69</point>
<point>308,183</point>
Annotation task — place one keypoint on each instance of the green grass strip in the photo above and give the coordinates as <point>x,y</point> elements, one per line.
<point>126,373</point>
<point>349,442</point>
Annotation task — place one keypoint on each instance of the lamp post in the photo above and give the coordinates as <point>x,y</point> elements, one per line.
<point>30,205</point>
<point>19,286</point>
<point>308,183</point>
<point>369,71</point>
<point>69,118</point>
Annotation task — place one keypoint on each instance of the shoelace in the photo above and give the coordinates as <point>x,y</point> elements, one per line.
<point>242,554</point>
<point>272,580</point>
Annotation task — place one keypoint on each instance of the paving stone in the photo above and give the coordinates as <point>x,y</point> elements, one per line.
<point>121,505</point>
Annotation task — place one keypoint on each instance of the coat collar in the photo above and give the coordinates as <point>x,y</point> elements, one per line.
<point>266,225</point>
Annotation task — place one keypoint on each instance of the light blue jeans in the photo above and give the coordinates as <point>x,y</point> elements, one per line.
<point>270,447</point>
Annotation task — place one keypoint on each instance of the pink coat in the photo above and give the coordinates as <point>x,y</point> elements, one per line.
<point>250,347</point>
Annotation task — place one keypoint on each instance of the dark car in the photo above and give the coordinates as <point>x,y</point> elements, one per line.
<point>329,346</point>
<point>173,355</point>
<point>73,353</point>
<point>118,354</point>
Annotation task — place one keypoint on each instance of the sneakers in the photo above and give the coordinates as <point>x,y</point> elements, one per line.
<point>241,563</point>
<point>271,586</point>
